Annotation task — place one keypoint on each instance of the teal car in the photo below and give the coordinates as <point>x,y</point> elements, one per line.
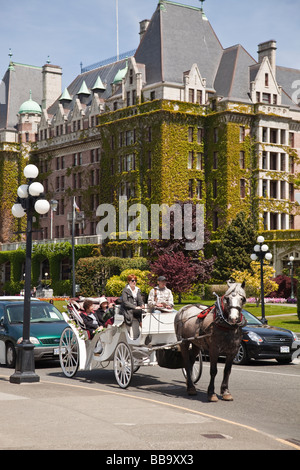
<point>46,327</point>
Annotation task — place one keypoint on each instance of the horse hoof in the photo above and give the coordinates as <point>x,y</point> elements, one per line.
<point>213,398</point>
<point>192,391</point>
<point>227,397</point>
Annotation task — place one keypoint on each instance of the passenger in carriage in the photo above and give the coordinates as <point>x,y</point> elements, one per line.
<point>91,319</point>
<point>132,304</point>
<point>105,312</point>
<point>160,298</point>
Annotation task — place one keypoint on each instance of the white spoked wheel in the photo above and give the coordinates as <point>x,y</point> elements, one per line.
<point>197,369</point>
<point>123,365</point>
<point>69,352</point>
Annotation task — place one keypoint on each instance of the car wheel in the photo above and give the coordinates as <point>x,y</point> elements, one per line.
<point>10,355</point>
<point>242,356</point>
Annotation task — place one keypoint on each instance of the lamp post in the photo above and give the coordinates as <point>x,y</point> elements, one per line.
<point>53,206</point>
<point>291,264</point>
<point>30,199</point>
<point>262,253</point>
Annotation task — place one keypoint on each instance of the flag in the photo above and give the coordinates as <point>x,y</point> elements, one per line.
<point>76,207</point>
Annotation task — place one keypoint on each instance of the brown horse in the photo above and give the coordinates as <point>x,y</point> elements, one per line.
<point>217,330</point>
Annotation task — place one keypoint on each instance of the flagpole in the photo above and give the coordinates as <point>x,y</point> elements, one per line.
<point>73,248</point>
<point>117,17</point>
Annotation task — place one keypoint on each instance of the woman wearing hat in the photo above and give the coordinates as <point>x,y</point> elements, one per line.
<point>161,298</point>
<point>105,312</point>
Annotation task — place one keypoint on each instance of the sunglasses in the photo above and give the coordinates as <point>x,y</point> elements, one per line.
<point>133,280</point>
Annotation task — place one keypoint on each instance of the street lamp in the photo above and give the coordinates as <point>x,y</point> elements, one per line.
<point>30,199</point>
<point>53,206</point>
<point>291,264</point>
<point>261,253</point>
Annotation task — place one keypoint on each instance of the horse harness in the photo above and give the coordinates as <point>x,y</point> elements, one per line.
<point>219,318</point>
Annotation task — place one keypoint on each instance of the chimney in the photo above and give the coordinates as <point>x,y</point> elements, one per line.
<point>268,49</point>
<point>143,28</point>
<point>51,84</point>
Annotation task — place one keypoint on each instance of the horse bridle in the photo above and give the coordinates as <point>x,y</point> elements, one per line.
<point>219,313</point>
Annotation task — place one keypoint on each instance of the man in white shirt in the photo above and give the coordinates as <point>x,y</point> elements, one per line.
<point>160,297</point>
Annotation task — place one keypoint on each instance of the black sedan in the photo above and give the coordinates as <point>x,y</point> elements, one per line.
<point>265,342</point>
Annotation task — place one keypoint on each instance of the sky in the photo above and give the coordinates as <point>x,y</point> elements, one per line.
<point>71,32</point>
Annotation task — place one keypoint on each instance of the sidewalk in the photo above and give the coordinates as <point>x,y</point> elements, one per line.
<point>56,413</point>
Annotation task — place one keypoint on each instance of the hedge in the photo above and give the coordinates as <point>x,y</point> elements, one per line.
<point>93,273</point>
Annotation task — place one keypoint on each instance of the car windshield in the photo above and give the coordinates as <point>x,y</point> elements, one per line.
<point>41,312</point>
<point>251,319</point>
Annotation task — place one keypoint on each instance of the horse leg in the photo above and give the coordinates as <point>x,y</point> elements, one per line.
<point>213,372</point>
<point>226,395</point>
<point>191,390</point>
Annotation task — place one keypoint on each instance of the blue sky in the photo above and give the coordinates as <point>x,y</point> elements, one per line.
<point>75,31</point>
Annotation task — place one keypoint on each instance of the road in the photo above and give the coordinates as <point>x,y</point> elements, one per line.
<point>90,411</point>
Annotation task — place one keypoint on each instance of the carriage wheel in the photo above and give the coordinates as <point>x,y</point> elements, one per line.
<point>123,365</point>
<point>197,368</point>
<point>69,352</point>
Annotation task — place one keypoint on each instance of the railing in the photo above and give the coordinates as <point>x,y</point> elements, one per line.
<point>81,240</point>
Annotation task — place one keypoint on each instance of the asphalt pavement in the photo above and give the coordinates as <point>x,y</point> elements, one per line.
<point>57,413</point>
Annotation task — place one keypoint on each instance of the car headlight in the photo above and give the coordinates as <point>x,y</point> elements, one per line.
<point>295,337</point>
<point>255,337</point>
<point>32,339</point>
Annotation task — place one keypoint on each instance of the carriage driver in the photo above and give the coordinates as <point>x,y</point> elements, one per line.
<point>160,297</point>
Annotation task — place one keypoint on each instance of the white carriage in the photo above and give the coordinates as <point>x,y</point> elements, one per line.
<point>128,347</point>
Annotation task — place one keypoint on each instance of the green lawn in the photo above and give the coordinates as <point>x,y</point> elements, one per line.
<point>289,322</point>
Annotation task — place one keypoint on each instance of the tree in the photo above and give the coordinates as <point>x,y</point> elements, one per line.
<point>233,253</point>
<point>181,272</point>
<point>253,282</point>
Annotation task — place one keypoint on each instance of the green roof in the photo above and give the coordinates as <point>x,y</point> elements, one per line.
<point>65,96</point>
<point>84,89</point>
<point>30,107</point>
<point>121,74</point>
<point>98,84</point>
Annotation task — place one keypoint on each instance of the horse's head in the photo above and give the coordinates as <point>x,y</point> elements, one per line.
<point>234,299</point>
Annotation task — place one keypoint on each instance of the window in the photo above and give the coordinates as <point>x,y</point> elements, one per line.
<point>152,96</point>
<point>266,98</point>
<point>199,189</point>
<point>282,190</point>
<point>264,161</point>
<point>242,134</point>
<point>199,96</point>
<point>264,188</point>
<point>191,134</point>
<point>282,161</point>
<point>200,135</point>
<point>242,188</point>
<point>273,161</point>
<point>264,134</point>
<point>274,99</point>
<point>199,163</point>
<point>190,160</point>
<point>273,189</point>
<point>273,136</point>
<point>258,97</point>
<point>266,79</point>
<point>242,159</point>
<point>191,95</point>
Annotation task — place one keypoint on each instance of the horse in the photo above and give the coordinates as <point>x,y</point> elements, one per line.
<point>217,330</point>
